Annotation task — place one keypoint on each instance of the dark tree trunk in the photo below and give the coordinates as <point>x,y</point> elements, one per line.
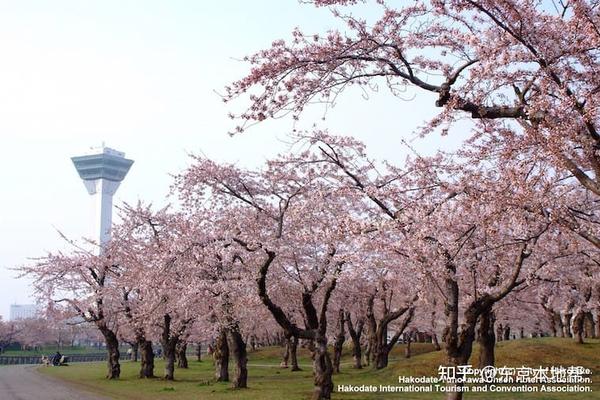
<point>378,330</point>
<point>588,325</point>
<point>221,358</point>
<point>578,321</point>
<point>147,359</point>
<point>597,329</point>
<point>323,371</point>
<point>199,352</point>
<point>459,354</point>
<point>355,334</point>
<point>381,357</point>
<point>368,355</point>
<point>285,356</point>
<point>506,334</point>
<point>338,342</point>
<point>294,353</point>
<point>381,347</point>
<point>181,349</point>
<point>554,321</point>
<point>499,332</point>
<point>486,339</point>
<point>407,350</point>
<point>315,325</point>
<point>169,355</point>
<point>436,343</point>
<point>551,315</point>
<point>169,341</point>
<point>112,347</point>
<point>237,347</point>
<point>567,325</point>
<point>458,341</point>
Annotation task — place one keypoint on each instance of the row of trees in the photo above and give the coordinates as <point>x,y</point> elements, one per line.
<point>324,240</point>
<point>35,333</point>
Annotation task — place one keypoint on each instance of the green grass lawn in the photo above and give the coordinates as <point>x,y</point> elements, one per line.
<point>267,381</point>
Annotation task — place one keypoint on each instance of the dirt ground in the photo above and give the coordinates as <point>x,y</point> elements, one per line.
<point>22,382</point>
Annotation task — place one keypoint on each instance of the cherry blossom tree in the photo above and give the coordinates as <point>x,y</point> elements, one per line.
<point>289,227</point>
<point>473,233</point>
<point>156,283</point>
<point>524,72</point>
<point>35,332</point>
<point>8,333</point>
<point>79,283</point>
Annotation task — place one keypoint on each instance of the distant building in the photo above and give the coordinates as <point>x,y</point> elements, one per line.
<point>23,311</point>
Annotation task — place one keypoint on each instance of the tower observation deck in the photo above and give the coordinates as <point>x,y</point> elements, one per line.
<point>102,171</point>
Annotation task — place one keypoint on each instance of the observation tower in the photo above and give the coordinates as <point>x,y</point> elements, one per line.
<point>102,171</point>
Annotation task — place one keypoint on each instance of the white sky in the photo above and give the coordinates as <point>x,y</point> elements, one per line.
<point>141,76</point>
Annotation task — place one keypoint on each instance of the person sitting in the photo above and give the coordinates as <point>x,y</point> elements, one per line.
<point>45,360</point>
<point>56,359</point>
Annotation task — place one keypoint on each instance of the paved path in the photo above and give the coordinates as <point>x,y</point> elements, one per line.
<point>23,382</point>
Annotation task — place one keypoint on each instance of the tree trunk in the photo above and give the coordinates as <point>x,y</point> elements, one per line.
<point>553,316</point>
<point>567,325</point>
<point>285,357</point>
<point>407,350</point>
<point>378,340</point>
<point>337,357</point>
<point>355,334</point>
<point>506,333</point>
<point>357,355</point>
<point>112,347</point>
<point>338,342</point>
<point>169,348</point>
<point>378,330</point>
<point>486,339</point>
<point>382,348</point>
<point>147,359</point>
<point>169,354</point>
<point>294,353</point>
<point>459,355</point>
<point>181,349</point>
<point>323,371</point>
<point>436,343</point>
<point>458,341</point>
<point>559,324</point>
<point>199,352</point>
<point>381,358</point>
<point>237,346</point>
<point>552,319</point>
<point>588,325</point>
<point>578,326</point>
<point>499,332</point>
<point>221,358</point>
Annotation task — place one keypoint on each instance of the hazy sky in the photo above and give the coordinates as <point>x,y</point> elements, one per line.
<point>142,76</point>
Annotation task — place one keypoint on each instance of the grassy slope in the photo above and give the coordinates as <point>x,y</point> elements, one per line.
<point>267,381</point>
